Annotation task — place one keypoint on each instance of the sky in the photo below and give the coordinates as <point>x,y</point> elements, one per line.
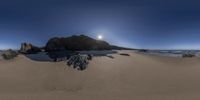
<point>149,24</point>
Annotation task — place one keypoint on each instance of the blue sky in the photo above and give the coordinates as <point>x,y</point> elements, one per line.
<point>153,24</point>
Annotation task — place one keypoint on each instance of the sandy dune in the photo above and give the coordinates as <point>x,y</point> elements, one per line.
<point>138,77</point>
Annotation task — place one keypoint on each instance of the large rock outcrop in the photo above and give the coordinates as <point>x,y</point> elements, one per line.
<point>76,43</point>
<point>28,48</point>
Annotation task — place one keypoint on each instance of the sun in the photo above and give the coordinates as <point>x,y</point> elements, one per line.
<point>100,37</point>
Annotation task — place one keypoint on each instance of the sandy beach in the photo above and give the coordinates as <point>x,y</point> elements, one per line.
<point>135,77</point>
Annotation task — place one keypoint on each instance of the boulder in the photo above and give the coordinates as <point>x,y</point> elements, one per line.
<point>28,48</point>
<point>9,54</point>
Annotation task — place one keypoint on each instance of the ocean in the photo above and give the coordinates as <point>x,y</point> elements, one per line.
<point>174,53</point>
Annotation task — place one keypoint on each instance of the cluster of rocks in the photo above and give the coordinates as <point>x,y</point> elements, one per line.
<point>27,48</point>
<point>9,54</point>
<point>188,55</point>
<point>64,49</point>
<point>79,62</point>
<point>71,43</point>
<point>75,59</point>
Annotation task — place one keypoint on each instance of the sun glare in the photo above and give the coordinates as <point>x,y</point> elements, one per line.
<point>100,37</point>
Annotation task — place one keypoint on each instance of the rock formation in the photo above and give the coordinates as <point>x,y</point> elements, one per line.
<point>28,48</point>
<point>9,54</point>
<point>76,43</point>
<point>188,55</point>
<point>79,62</point>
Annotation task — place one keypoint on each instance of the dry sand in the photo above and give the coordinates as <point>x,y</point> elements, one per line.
<point>137,77</point>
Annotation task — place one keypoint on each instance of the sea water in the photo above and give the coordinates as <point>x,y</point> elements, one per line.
<point>174,53</point>
<point>43,56</point>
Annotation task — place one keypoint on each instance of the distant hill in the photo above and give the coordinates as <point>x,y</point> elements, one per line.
<point>78,43</point>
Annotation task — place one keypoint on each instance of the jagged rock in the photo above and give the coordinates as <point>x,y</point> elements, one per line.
<point>79,62</point>
<point>28,48</point>
<point>9,54</point>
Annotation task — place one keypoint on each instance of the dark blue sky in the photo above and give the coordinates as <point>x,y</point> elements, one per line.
<point>154,24</point>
